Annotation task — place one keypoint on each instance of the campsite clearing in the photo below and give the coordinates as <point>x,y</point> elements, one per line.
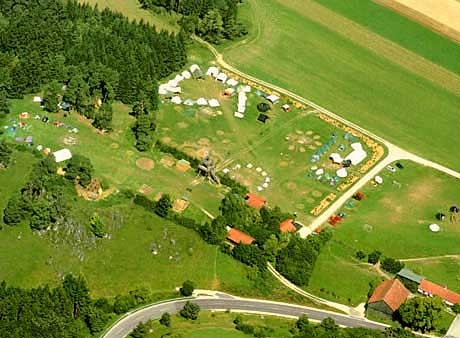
<point>326,57</point>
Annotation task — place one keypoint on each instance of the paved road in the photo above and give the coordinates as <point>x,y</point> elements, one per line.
<point>395,153</point>
<point>226,302</point>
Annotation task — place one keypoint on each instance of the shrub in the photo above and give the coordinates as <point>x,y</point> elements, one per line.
<point>374,257</point>
<point>187,288</point>
<point>391,265</point>
<point>190,311</point>
<point>360,255</point>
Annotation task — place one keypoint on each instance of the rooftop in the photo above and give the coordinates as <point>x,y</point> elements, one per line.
<point>287,225</point>
<point>255,201</point>
<point>410,275</point>
<point>447,295</point>
<point>238,237</point>
<point>392,292</point>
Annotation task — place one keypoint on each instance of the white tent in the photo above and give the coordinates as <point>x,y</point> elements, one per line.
<point>194,67</point>
<point>178,78</point>
<point>435,227</point>
<point>232,82</point>
<point>273,98</point>
<point>175,90</point>
<point>212,71</point>
<point>214,103</point>
<point>172,83</point>
<point>342,172</point>
<point>186,74</point>
<point>176,100</point>
<point>38,99</point>
<point>320,171</point>
<point>238,115</point>
<point>229,91</point>
<point>378,179</point>
<point>265,185</point>
<point>357,155</point>
<point>62,155</point>
<point>189,102</point>
<point>162,91</point>
<point>247,89</point>
<point>222,77</point>
<point>202,101</point>
<point>336,158</point>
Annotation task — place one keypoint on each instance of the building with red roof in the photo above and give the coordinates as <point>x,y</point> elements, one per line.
<point>431,289</point>
<point>255,201</point>
<point>238,237</point>
<point>287,225</point>
<point>388,297</point>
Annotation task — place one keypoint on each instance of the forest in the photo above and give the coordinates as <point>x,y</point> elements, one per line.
<point>83,56</point>
<point>214,20</point>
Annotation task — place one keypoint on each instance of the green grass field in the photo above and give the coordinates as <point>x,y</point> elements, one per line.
<point>220,324</point>
<point>353,72</point>
<point>394,220</point>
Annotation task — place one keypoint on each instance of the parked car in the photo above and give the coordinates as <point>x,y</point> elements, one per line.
<point>391,168</point>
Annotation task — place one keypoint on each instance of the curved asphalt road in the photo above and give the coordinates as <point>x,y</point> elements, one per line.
<point>225,302</point>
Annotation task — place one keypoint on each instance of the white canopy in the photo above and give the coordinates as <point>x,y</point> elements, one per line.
<point>213,103</point>
<point>202,101</point>
<point>189,102</point>
<point>175,90</point>
<point>222,77</point>
<point>62,155</point>
<point>229,91</point>
<point>194,67</point>
<point>320,171</point>
<point>378,179</point>
<point>434,227</point>
<point>273,98</point>
<point>162,91</point>
<point>336,158</point>
<point>186,74</point>
<point>178,78</point>
<point>357,155</point>
<point>232,82</point>
<point>37,99</point>
<point>176,100</point>
<point>212,71</point>
<point>238,115</point>
<point>342,172</point>
<point>172,83</point>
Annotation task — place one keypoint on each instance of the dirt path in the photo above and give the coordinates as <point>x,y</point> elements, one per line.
<point>419,259</point>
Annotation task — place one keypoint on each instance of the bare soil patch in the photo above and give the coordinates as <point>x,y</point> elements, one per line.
<point>168,161</point>
<point>145,189</point>
<point>145,163</point>
<point>180,205</point>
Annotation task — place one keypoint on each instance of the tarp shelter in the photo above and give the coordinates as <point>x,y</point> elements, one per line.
<point>212,71</point>
<point>336,158</point>
<point>62,155</point>
<point>357,155</point>
<point>232,82</point>
<point>176,100</point>
<point>273,98</point>
<point>28,139</point>
<point>202,101</point>
<point>189,102</point>
<point>37,99</point>
<point>213,103</point>
<point>64,105</point>
<point>183,165</point>
<point>186,74</point>
<point>342,173</point>
<point>222,77</point>
<point>286,108</point>
<point>262,118</point>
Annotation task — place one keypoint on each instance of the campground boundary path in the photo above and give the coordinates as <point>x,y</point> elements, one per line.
<point>395,153</point>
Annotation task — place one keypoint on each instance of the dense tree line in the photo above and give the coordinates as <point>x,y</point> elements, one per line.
<point>41,202</point>
<point>214,20</point>
<point>64,311</point>
<point>83,56</point>
<point>5,154</point>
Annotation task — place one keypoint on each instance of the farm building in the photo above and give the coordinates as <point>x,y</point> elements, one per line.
<point>212,71</point>
<point>357,155</point>
<point>431,289</point>
<point>62,155</point>
<point>287,226</point>
<point>388,297</point>
<point>237,237</point>
<point>255,201</point>
<point>410,279</point>
<point>273,98</point>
